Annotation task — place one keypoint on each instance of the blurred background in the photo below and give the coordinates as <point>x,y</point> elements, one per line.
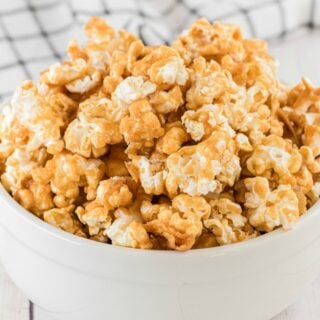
<point>34,33</point>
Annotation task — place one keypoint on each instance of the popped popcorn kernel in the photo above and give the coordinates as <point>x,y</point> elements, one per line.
<point>128,231</point>
<point>61,74</point>
<point>91,136</point>
<point>142,124</point>
<point>116,192</point>
<point>31,116</point>
<point>270,209</point>
<point>63,218</point>
<point>202,122</point>
<point>95,217</point>
<point>180,229</point>
<point>163,65</point>
<point>165,102</point>
<point>85,84</point>
<point>227,222</point>
<point>145,171</point>
<point>205,167</point>
<point>36,197</point>
<point>97,30</point>
<point>275,153</point>
<point>132,89</point>
<point>173,139</point>
<point>68,173</point>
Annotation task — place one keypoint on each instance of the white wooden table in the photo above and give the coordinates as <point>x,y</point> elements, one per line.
<point>302,60</point>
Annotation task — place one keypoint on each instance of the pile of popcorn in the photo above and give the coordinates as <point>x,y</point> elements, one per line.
<point>177,147</point>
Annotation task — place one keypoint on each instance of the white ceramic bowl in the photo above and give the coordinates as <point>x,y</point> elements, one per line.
<point>78,279</point>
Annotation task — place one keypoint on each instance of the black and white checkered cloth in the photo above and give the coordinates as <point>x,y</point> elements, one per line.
<point>34,33</point>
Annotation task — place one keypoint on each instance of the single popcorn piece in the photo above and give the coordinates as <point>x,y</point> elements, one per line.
<point>132,89</point>
<point>67,173</point>
<point>195,207</point>
<point>209,84</point>
<point>205,39</point>
<point>163,65</point>
<point>96,127</point>
<point>91,136</point>
<point>19,167</point>
<point>202,122</point>
<point>62,105</point>
<point>35,196</point>
<point>205,167</point>
<point>85,84</point>
<point>99,106</point>
<point>309,159</point>
<point>32,117</point>
<point>180,224</point>
<point>62,218</point>
<point>171,72</point>
<point>275,153</point>
<point>270,209</point>
<point>311,138</point>
<point>304,98</point>
<point>227,223</point>
<point>116,192</point>
<point>97,30</point>
<point>95,216</point>
<point>128,231</point>
<point>193,145</point>
<point>142,124</point>
<point>173,139</point>
<point>61,74</point>
<point>151,177</point>
<point>165,102</point>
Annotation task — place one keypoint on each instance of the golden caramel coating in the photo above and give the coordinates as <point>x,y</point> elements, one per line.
<point>179,147</point>
<point>141,125</point>
<point>174,137</point>
<point>205,167</point>
<point>130,90</point>
<point>150,174</point>
<point>269,209</point>
<point>201,123</point>
<point>31,122</point>
<point>168,101</point>
<point>67,173</point>
<point>180,224</point>
<point>36,197</point>
<point>116,192</point>
<point>227,223</point>
<point>209,84</point>
<point>274,154</point>
<point>63,218</point>
<point>127,230</point>
<point>91,136</point>
<point>95,217</point>
<point>64,73</point>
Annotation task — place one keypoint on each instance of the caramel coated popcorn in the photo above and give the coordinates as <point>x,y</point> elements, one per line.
<point>179,147</point>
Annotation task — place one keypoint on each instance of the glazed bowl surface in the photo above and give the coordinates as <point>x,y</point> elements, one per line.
<point>79,279</point>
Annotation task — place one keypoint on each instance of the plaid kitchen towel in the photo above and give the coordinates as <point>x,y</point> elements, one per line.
<point>34,33</point>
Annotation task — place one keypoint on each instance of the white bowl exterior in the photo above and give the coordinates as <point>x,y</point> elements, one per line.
<point>79,279</point>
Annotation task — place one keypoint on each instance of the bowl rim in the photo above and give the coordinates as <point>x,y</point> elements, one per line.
<point>78,241</point>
